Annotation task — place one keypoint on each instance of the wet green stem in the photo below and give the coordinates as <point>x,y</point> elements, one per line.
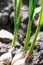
<point>19,2</point>
<point>32,6</point>
<point>14,37</point>
<point>27,36</point>
<point>35,37</point>
<point>17,5</point>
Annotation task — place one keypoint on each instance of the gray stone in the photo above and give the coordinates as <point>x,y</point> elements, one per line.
<point>4,48</point>
<point>36,16</point>
<point>38,3</point>
<point>12,17</point>
<point>3,18</point>
<point>5,7</point>
<point>24,14</point>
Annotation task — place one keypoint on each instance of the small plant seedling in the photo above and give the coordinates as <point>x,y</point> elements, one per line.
<point>17,5</point>
<point>6,58</point>
<point>31,8</point>
<point>20,58</point>
<point>40,23</point>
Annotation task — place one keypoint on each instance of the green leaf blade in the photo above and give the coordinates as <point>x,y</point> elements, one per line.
<point>32,5</point>
<point>41,13</point>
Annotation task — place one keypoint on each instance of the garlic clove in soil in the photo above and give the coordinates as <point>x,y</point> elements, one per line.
<point>21,59</point>
<point>6,58</point>
<point>18,57</point>
<point>20,62</point>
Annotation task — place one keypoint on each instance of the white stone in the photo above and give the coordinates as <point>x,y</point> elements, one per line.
<point>6,34</point>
